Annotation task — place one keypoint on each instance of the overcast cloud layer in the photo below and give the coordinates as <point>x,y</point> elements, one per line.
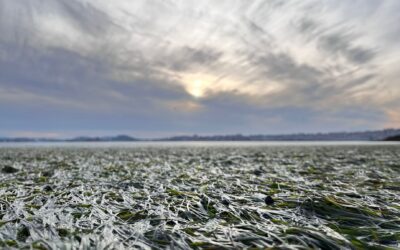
<point>156,68</point>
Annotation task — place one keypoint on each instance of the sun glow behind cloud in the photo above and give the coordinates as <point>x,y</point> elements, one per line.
<point>197,88</point>
<point>201,85</point>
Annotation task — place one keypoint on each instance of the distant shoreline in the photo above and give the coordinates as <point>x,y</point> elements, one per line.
<point>378,135</point>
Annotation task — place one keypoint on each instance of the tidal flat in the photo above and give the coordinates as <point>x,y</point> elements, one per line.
<point>199,197</point>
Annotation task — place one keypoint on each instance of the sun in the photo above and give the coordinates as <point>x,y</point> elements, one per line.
<point>198,85</point>
<point>197,88</point>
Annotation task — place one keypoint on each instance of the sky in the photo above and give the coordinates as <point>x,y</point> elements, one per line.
<point>151,68</point>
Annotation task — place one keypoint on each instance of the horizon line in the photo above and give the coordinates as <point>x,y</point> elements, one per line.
<point>116,135</point>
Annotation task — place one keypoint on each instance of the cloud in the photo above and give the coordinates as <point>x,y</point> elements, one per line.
<point>158,61</point>
<point>285,69</point>
<point>393,120</point>
<point>340,45</point>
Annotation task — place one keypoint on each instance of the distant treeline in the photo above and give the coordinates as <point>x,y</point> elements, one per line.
<point>337,136</point>
<point>393,138</point>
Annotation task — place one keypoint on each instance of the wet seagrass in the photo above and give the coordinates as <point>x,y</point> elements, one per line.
<point>202,198</point>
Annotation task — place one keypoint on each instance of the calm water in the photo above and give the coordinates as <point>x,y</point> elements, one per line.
<point>191,144</point>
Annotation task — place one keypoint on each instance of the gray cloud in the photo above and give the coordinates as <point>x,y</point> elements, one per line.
<point>86,16</point>
<point>18,17</point>
<point>306,25</point>
<point>283,68</point>
<point>340,45</point>
<point>185,58</point>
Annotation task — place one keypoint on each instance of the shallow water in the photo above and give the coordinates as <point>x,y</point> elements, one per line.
<point>200,195</point>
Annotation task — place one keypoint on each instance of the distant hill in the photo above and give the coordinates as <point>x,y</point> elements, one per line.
<point>21,139</point>
<point>378,135</point>
<point>393,138</point>
<point>27,139</point>
<point>121,138</point>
